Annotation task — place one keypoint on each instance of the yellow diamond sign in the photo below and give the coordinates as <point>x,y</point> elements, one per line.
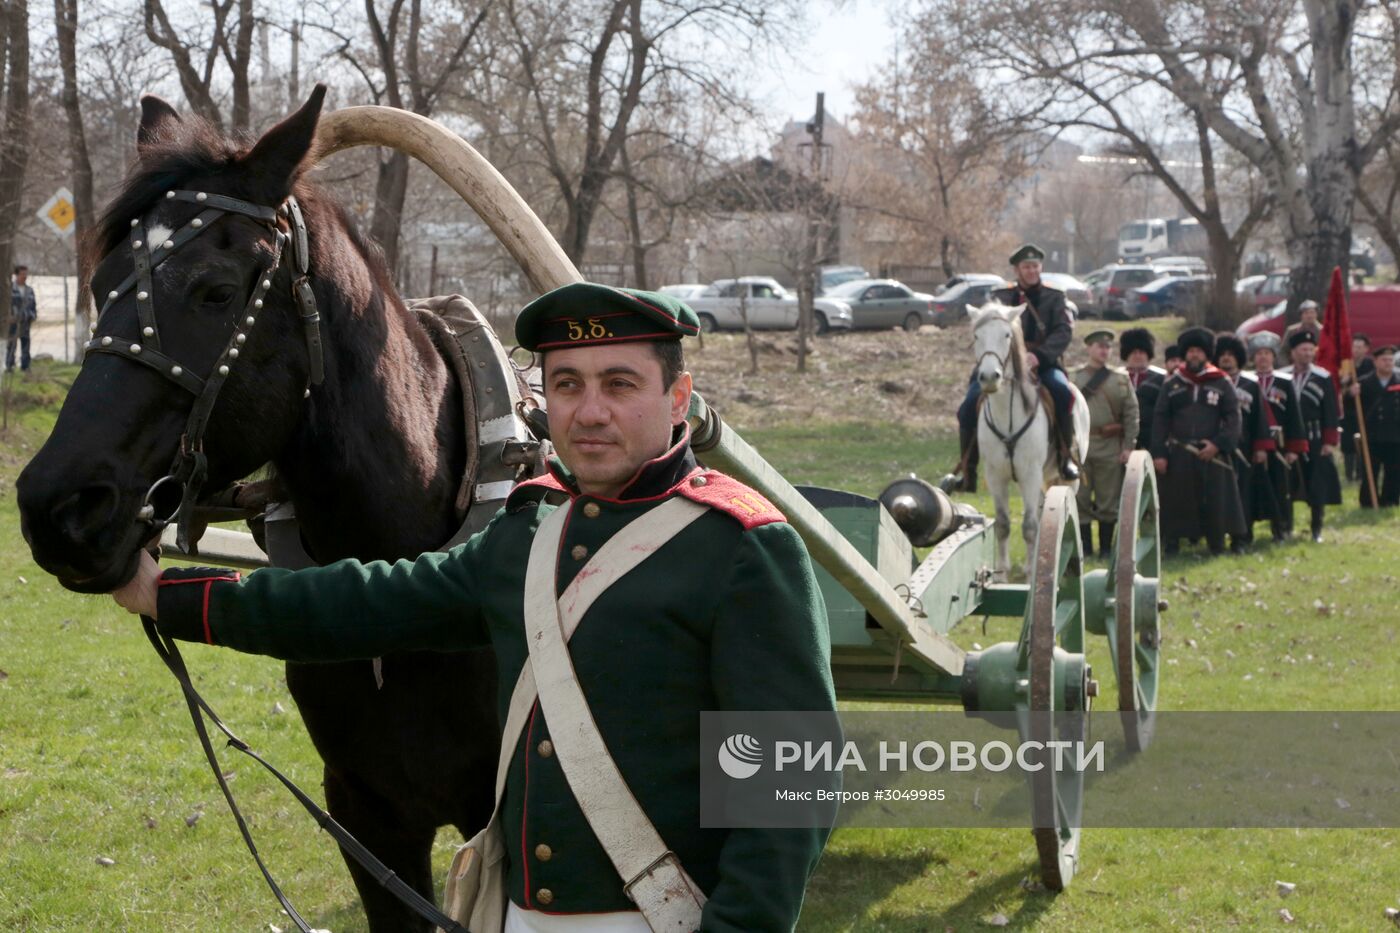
<point>58,212</point>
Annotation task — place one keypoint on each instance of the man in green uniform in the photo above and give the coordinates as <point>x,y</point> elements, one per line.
<point>725,614</point>
<point>1113,431</point>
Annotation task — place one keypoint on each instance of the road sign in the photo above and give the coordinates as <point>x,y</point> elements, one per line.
<point>58,212</point>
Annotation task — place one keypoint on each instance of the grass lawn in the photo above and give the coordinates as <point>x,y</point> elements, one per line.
<point>97,758</point>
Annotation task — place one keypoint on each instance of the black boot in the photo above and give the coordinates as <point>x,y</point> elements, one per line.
<point>1106,537</point>
<point>1086,537</point>
<point>1064,429</point>
<point>968,455</point>
<point>1317,512</point>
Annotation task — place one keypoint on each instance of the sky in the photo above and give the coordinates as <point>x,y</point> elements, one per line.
<point>845,45</point>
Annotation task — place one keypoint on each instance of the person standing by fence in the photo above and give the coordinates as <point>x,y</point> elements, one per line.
<point>23,311</point>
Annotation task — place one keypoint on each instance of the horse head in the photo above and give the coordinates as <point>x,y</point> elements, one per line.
<point>201,354</point>
<point>997,344</point>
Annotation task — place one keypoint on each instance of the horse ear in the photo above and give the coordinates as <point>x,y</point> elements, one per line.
<point>158,121</point>
<point>276,158</point>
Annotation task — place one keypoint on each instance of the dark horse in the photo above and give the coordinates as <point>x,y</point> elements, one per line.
<point>371,458</point>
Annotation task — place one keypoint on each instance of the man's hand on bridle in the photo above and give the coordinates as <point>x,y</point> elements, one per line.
<point>139,595</point>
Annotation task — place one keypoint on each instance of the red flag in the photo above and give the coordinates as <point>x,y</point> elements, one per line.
<point>1334,346</point>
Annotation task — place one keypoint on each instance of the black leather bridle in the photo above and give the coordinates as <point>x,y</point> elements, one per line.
<point>190,467</point>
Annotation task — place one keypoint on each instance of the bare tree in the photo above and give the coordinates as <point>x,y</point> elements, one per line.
<point>66,18</point>
<point>586,69</point>
<point>196,56</point>
<point>939,152</point>
<point>413,59</point>
<point>1379,197</point>
<point>14,148</point>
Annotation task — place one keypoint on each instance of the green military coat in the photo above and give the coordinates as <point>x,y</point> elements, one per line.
<point>1115,403</point>
<point>727,615</point>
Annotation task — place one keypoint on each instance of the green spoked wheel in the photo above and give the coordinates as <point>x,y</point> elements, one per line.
<point>1135,636</point>
<point>1058,684</point>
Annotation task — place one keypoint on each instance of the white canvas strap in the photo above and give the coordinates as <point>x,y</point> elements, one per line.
<point>652,875</point>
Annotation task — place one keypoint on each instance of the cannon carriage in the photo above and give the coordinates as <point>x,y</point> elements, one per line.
<point>890,612</point>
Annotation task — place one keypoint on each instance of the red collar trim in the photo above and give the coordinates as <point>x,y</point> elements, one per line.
<point>1208,373</point>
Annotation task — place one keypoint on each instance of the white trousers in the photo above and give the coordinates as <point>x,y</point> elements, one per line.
<point>533,921</point>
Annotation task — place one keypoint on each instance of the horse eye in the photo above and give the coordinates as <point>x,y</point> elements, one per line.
<point>219,294</point>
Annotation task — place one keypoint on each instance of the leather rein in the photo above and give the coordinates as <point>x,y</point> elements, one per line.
<point>190,469</point>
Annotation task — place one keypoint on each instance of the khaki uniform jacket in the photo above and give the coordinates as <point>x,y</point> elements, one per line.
<point>1113,412</point>
<point>727,615</point>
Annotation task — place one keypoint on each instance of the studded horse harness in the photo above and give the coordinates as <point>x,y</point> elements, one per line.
<point>190,469</point>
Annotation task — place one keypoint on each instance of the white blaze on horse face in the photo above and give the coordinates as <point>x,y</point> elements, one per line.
<point>157,234</point>
<point>992,344</point>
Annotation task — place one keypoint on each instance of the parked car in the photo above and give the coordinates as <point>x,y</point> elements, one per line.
<point>835,276</point>
<point>883,303</point>
<point>1195,264</point>
<point>1373,310</point>
<point>1249,284</point>
<point>1113,291</point>
<point>962,277</point>
<point>724,303</point>
<point>1093,282</point>
<point>950,305</point>
<point>683,292</point>
<point>1168,294</point>
<point>1075,290</point>
<point>1272,290</point>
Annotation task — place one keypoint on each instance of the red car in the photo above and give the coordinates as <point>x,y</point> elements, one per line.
<point>1373,310</point>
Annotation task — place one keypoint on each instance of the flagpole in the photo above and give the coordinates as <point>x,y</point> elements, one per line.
<point>1365,450</point>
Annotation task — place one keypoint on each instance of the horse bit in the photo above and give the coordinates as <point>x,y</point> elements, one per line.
<point>190,467</point>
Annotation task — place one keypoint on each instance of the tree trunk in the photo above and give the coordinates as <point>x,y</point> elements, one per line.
<point>1220,311</point>
<point>634,224</point>
<point>66,16</point>
<point>581,211</point>
<point>238,63</point>
<point>14,148</point>
<point>390,192</point>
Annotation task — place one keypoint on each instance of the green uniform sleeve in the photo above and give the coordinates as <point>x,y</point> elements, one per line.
<point>770,650</point>
<point>1131,415</point>
<point>343,611</point>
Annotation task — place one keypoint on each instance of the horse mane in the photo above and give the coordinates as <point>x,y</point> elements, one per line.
<point>197,149</point>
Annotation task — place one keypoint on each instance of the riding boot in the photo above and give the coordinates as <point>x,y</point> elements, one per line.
<point>1106,537</point>
<point>1064,431</point>
<point>967,456</point>
<point>1317,512</point>
<point>1086,537</point>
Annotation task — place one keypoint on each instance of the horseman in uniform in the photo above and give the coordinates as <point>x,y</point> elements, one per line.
<point>1275,456</point>
<point>1047,326</point>
<point>1136,347</point>
<point>1254,429</point>
<point>1195,430</point>
<point>1318,485</point>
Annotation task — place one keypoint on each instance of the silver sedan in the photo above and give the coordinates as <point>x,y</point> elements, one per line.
<point>884,303</point>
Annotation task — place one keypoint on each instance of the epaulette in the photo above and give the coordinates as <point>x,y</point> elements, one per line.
<point>1157,369</point>
<point>726,494</point>
<point>1248,375</point>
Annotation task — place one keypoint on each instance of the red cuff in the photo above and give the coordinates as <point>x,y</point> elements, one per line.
<point>1331,436</point>
<point>1296,446</point>
<point>1265,444</point>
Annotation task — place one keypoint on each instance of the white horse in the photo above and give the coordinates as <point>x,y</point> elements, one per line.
<point>1013,427</point>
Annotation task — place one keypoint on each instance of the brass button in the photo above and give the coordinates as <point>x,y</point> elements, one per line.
<point>698,481</point>
<point>544,896</point>
<point>579,552</point>
<point>545,748</point>
<point>591,510</point>
<point>543,852</point>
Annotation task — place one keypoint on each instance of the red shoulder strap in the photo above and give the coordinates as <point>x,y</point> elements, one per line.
<point>726,494</point>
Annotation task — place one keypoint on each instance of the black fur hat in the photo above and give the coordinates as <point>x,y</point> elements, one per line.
<point>1197,337</point>
<point>1136,338</point>
<point>1229,343</point>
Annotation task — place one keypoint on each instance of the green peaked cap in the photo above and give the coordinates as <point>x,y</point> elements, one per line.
<point>586,314</point>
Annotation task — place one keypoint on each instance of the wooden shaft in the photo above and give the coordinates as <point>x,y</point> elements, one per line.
<point>1365,450</point>
<point>468,173</point>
